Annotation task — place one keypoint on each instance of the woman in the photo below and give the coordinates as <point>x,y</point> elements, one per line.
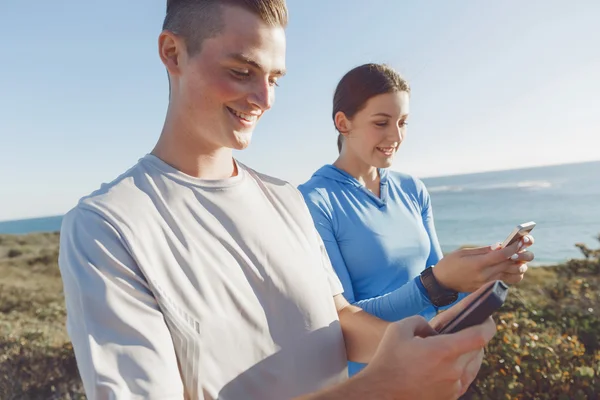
<point>377,224</point>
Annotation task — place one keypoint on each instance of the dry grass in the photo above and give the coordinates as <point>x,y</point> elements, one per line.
<point>36,358</point>
<point>547,345</point>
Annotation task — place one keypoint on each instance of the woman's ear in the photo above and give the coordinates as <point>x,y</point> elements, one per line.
<point>342,123</point>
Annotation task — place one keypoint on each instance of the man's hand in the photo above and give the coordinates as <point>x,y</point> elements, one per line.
<point>466,270</point>
<point>414,362</point>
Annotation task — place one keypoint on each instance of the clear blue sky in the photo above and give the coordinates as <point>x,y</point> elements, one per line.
<point>496,85</point>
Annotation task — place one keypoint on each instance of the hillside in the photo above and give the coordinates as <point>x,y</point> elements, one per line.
<point>547,346</point>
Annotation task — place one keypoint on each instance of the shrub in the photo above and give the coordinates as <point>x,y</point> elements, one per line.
<point>548,340</point>
<point>12,253</point>
<point>547,345</point>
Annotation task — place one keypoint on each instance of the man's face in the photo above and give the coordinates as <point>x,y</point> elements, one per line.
<point>225,89</point>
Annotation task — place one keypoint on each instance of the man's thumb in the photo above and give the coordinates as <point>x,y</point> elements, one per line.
<point>415,326</point>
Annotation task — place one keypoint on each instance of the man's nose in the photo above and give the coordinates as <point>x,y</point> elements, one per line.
<point>262,95</point>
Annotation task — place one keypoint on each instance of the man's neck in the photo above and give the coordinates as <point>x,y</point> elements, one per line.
<point>180,149</point>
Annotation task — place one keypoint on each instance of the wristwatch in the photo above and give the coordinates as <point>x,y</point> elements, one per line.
<point>439,295</point>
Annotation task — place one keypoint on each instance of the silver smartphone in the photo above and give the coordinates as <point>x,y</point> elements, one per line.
<point>517,233</point>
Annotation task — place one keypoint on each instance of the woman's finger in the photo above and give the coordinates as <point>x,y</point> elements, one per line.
<point>525,242</point>
<point>508,267</point>
<point>524,256</point>
<point>511,279</point>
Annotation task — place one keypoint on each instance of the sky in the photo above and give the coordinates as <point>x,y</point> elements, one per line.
<point>495,85</point>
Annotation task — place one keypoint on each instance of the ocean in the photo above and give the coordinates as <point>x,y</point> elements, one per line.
<point>483,208</point>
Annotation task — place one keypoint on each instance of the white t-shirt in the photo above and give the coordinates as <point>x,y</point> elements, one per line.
<point>178,287</point>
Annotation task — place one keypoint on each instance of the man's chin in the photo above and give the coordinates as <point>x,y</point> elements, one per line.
<point>241,140</point>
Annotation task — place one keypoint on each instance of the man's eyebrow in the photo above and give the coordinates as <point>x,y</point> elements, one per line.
<point>247,60</point>
<point>381,114</point>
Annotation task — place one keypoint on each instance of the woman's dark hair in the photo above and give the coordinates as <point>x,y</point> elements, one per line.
<point>360,84</point>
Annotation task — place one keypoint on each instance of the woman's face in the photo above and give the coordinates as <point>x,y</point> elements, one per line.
<point>375,133</point>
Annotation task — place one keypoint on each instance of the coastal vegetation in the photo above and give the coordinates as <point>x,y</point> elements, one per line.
<point>547,345</point>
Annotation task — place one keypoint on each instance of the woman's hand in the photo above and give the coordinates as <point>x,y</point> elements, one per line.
<point>466,270</point>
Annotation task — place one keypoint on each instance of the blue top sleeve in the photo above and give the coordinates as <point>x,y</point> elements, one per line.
<point>436,252</point>
<point>408,300</point>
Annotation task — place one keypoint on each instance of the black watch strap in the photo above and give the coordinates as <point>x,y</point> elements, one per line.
<point>439,295</point>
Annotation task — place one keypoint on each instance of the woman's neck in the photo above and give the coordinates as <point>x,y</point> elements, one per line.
<point>366,174</point>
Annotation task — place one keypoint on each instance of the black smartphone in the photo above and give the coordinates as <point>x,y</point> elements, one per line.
<point>480,309</point>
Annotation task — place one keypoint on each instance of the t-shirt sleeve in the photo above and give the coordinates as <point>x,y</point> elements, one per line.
<point>321,217</point>
<point>334,280</point>
<point>122,345</point>
<point>329,265</point>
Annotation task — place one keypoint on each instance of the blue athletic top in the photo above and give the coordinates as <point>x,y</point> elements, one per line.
<point>378,245</point>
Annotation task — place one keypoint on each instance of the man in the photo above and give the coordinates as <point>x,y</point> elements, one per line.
<point>193,276</point>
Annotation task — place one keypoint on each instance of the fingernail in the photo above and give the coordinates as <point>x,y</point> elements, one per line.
<point>514,257</point>
<point>496,246</point>
<point>523,269</point>
<point>526,239</point>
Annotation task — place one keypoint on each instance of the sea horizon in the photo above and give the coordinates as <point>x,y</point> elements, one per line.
<point>424,178</point>
<point>482,208</point>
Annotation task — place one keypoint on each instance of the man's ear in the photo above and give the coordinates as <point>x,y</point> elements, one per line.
<point>172,52</point>
<point>342,123</point>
